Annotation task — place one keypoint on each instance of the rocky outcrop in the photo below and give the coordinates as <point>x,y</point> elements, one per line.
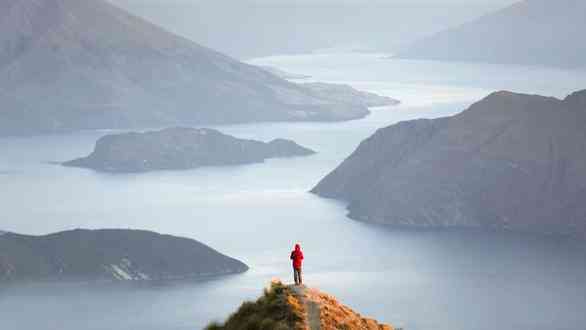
<point>181,148</point>
<point>510,161</point>
<point>529,32</point>
<point>297,307</point>
<point>109,255</point>
<point>70,64</point>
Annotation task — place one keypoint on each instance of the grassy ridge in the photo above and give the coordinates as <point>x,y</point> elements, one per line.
<point>272,311</point>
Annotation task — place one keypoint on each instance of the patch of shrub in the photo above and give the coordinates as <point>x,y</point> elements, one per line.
<point>270,312</point>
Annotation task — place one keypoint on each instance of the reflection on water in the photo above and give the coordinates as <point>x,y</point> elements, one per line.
<point>416,279</point>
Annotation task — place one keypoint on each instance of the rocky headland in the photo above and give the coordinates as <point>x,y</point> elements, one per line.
<point>109,255</point>
<point>511,161</point>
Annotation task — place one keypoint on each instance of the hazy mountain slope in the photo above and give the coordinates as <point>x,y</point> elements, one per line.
<point>510,160</point>
<point>531,32</point>
<point>90,255</point>
<point>69,64</point>
<point>299,308</point>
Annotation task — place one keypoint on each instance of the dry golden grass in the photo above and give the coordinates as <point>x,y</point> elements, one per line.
<point>332,314</point>
<point>296,308</point>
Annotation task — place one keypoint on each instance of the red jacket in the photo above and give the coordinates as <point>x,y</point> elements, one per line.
<point>297,256</point>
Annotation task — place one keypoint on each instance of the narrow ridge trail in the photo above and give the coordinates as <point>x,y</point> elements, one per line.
<point>311,307</point>
<point>324,312</point>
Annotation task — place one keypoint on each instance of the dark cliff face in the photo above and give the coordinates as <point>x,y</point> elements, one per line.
<point>509,161</point>
<point>181,148</point>
<point>69,64</point>
<point>530,32</point>
<point>93,255</point>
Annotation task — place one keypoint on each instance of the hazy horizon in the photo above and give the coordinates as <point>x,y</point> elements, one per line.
<point>254,28</point>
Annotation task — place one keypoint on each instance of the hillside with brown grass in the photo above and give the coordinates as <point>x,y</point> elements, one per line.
<point>296,307</point>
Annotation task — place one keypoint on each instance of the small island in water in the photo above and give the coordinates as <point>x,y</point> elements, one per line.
<point>179,149</point>
<point>109,255</point>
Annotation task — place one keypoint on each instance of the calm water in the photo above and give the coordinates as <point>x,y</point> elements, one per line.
<point>419,280</point>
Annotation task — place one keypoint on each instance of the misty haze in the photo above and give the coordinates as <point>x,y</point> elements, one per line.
<point>161,160</point>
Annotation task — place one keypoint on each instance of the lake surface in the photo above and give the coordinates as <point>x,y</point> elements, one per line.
<point>419,280</point>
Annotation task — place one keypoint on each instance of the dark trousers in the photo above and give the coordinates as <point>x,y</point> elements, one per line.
<point>297,276</point>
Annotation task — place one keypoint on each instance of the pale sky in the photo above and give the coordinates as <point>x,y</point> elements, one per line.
<point>337,2</point>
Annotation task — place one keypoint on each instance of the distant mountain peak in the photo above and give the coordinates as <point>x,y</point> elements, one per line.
<point>533,32</point>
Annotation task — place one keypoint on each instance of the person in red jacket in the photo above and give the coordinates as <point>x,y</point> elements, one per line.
<point>297,257</point>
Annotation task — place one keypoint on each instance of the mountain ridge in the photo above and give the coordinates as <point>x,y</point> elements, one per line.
<point>69,65</point>
<point>529,32</point>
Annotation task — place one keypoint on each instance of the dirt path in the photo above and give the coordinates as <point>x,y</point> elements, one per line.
<point>311,307</point>
<point>325,312</point>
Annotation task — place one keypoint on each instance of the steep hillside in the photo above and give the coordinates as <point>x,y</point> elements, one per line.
<point>69,64</point>
<point>296,307</point>
<point>509,161</point>
<point>530,32</point>
<point>111,255</point>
